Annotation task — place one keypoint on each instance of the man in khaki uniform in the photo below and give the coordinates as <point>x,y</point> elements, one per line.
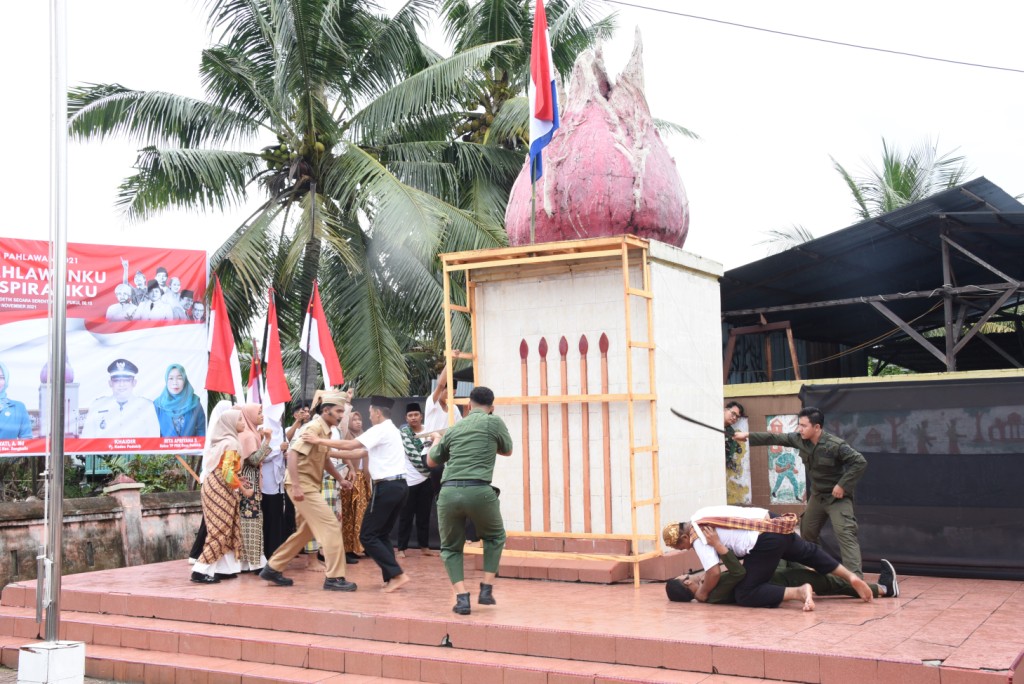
<point>303,480</point>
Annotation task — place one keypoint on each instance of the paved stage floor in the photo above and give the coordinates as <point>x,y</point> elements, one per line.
<point>975,626</point>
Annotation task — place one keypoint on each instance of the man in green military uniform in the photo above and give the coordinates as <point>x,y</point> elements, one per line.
<point>833,469</point>
<point>801,582</point>
<point>468,451</point>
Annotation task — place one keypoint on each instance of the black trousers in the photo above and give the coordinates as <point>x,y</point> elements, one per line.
<point>375,531</point>
<point>418,507</point>
<point>754,589</point>
<point>275,528</point>
<point>200,542</point>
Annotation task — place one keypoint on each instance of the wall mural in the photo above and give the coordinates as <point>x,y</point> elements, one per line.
<point>970,430</point>
<point>785,469</point>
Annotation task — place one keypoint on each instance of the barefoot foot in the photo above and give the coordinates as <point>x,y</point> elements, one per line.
<point>862,589</point>
<point>397,583</point>
<point>808,595</point>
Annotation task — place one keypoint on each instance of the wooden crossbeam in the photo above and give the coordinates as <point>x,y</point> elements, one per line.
<point>905,327</point>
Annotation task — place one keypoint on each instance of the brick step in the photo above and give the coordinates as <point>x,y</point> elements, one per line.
<point>135,665</point>
<point>274,656</point>
<point>474,633</point>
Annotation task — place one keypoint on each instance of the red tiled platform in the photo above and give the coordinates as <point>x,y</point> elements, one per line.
<point>149,623</point>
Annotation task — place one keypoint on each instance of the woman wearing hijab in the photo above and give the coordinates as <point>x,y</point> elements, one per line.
<point>255,444</point>
<point>222,483</point>
<point>178,408</point>
<point>197,546</point>
<point>14,420</point>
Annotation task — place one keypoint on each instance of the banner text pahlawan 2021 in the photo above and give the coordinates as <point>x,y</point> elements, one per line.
<point>136,349</point>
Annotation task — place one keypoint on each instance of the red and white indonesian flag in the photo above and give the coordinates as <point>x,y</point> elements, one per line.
<point>224,373</point>
<point>276,393</point>
<point>316,341</point>
<point>543,100</point>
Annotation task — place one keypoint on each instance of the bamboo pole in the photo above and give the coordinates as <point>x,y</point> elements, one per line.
<point>606,430</point>
<point>544,462</point>
<point>524,351</point>
<point>655,453</point>
<point>447,303</point>
<point>471,303</point>
<point>563,371</point>
<point>562,555</point>
<point>630,417</point>
<point>578,535</point>
<point>585,429</point>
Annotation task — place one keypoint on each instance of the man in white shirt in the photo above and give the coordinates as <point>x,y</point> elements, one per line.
<point>121,414</point>
<point>154,308</point>
<point>421,493</point>
<point>382,445</point>
<point>124,310</point>
<point>760,549</point>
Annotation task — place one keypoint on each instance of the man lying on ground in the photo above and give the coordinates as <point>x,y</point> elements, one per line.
<point>762,541</point>
<point>795,578</point>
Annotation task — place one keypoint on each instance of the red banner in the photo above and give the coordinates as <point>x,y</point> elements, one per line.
<point>136,343</point>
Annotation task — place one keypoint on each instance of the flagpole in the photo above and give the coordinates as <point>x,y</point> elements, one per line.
<point>305,354</point>
<point>309,332</point>
<point>533,206</point>
<point>49,580</point>
<point>266,329</point>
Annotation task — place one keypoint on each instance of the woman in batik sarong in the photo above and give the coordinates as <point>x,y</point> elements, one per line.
<point>222,484</point>
<point>355,500</point>
<point>255,447</point>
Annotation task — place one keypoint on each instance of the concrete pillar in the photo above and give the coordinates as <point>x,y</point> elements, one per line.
<point>128,495</point>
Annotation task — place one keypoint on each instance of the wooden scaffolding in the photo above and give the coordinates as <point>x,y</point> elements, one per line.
<point>619,252</point>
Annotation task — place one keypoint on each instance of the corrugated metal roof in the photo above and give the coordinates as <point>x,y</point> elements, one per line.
<point>895,253</point>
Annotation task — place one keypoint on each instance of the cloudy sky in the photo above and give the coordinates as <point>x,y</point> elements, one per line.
<point>770,109</point>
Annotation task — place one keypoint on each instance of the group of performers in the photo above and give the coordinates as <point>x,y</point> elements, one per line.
<point>750,556</point>
<point>237,449</point>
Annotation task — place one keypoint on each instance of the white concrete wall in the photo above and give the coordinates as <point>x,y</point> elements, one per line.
<point>688,362</point>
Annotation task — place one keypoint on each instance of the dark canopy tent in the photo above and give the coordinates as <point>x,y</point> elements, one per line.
<point>932,287</point>
<point>941,263</point>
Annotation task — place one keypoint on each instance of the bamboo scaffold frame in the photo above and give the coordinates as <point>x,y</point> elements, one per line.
<point>624,252</point>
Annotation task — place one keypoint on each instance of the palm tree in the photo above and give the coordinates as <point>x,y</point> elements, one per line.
<point>574,25</point>
<point>780,239</point>
<point>339,119</point>
<point>903,178</point>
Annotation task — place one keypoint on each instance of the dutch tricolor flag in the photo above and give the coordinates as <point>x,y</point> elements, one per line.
<point>543,100</point>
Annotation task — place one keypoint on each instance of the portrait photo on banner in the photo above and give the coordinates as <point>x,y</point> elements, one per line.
<point>136,349</point>
<point>785,469</point>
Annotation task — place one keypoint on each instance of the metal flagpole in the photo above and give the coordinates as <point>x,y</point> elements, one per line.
<point>49,580</point>
<point>309,308</point>
<point>305,354</point>
<point>533,206</point>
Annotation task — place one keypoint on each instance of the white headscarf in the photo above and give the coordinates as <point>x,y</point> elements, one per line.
<point>221,436</point>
